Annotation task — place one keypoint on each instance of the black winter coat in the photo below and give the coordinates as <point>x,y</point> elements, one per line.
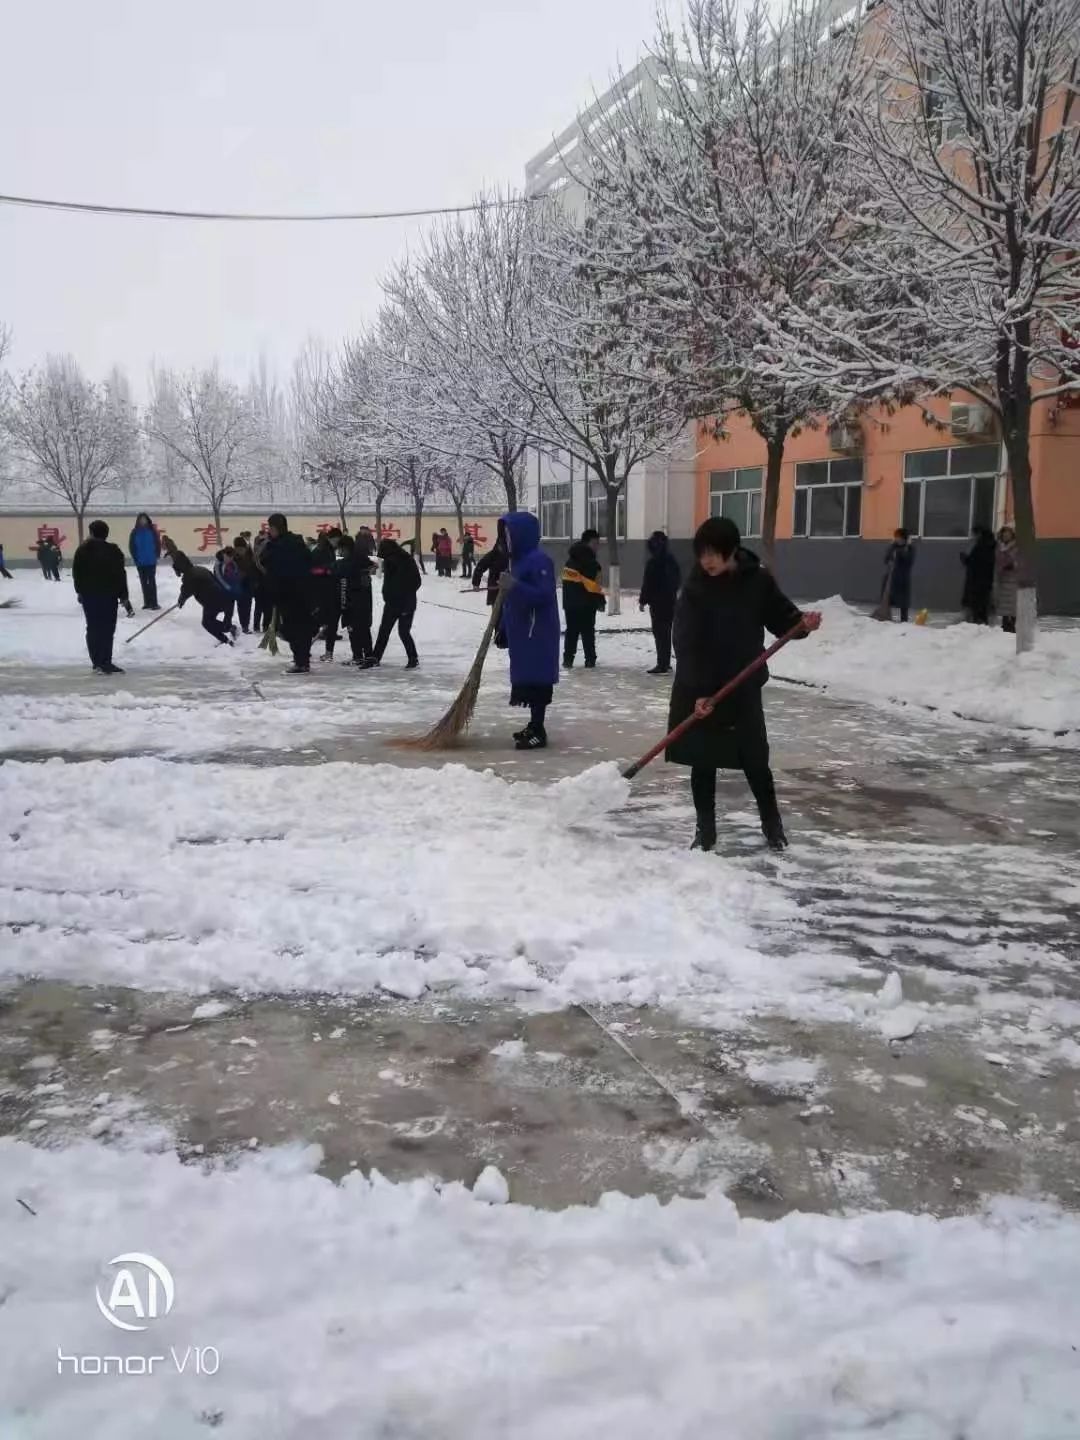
<point>577,598</point>
<point>660,582</point>
<point>980,562</point>
<point>494,564</point>
<point>899,560</point>
<point>401,578</point>
<point>99,569</point>
<point>720,625</point>
<point>286,563</point>
<point>198,583</point>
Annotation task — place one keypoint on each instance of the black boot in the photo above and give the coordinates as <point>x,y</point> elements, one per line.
<point>773,830</point>
<point>705,834</point>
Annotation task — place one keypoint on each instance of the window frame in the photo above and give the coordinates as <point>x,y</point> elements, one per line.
<point>747,528</point>
<point>808,490</point>
<point>972,477</point>
<point>595,496</point>
<point>547,503</point>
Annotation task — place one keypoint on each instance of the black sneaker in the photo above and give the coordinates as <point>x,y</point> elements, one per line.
<point>531,739</point>
<point>114,670</point>
<point>100,670</point>
<point>704,835</point>
<point>659,670</point>
<point>775,838</point>
<point>590,664</point>
<point>298,670</point>
<point>371,663</point>
<point>567,664</point>
<point>413,665</point>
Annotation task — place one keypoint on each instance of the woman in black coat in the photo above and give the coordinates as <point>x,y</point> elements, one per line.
<point>726,605</point>
<point>899,561</point>
<point>659,591</point>
<point>980,562</point>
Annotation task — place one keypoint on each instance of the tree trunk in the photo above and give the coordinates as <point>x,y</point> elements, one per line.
<point>1018,450</point>
<point>378,515</point>
<point>613,489</point>
<point>341,513</point>
<point>509,479</point>
<point>770,504</point>
<point>217,525</point>
<point>418,542</point>
<point>80,515</point>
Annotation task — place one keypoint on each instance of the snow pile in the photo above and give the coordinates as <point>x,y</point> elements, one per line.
<point>594,791</point>
<point>967,670</point>
<point>406,1310</point>
<point>349,879</point>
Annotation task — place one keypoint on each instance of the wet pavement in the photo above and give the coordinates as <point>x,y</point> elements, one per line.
<point>948,852</point>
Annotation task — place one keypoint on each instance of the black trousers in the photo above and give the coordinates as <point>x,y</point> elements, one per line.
<point>580,625</point>
<point>760,780</point>
<point>262,608</point>
<point>1008,624</point>
<point>662,621</point>
<point>100,612</point>
<point>297,625</point>
<point>148,581</point>
<point>213,624</point>
<point>243,609</point>
<point>330,615</point>
<point>403,619</point>
<point>466,567</point>
<point>358,622</point>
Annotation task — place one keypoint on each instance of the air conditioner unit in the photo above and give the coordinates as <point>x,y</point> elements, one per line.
<point>846,439</point>
<point>969,422</point>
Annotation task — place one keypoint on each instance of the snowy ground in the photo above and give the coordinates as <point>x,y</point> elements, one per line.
<point>214,837</point>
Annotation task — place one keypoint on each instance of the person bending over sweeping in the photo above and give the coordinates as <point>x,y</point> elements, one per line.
<point>727,603</point>
<point>529,626</point>
<point>197,581</point>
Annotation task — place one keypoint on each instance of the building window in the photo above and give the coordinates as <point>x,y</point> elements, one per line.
<point>598,510</point>
<point>943,114</point>
<point>555,509</point>
<point>946,492</point>
<point>828,499</point>
<point>736,494</point>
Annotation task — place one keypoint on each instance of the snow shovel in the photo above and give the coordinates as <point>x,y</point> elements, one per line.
<point>714,700</point>
<point>146,627</point>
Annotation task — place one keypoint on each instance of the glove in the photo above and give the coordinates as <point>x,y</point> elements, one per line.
<point>501,642</point>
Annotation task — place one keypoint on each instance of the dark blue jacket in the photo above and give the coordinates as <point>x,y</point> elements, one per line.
<point>144,546</point>
<point>530,611</point>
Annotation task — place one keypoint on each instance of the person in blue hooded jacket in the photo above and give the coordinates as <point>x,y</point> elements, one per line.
<point>144,547</point>
<point>529,626</point>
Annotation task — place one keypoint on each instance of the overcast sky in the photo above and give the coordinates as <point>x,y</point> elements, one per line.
<point>262,105</point>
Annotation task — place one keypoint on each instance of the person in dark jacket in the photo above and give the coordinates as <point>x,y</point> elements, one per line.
<point>326,589</point>
<point>144,547</point>
<point>529,626</point>
<point>899,562</point>
<point>248,576</point>
<point>100,578</point>
<point>198,582</point>
<point>659,591</point>
<point>582,598</point>
<point>494,564</point>
<point>401,581</point>
<point>979,562</point>
<point>726,605</point>
<point>354,571</point>
<point>468,556</point>
<point>286,564</point>
<point>4,571</point>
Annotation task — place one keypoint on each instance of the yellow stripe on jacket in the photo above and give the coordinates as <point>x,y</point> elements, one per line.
<point>575,577</point>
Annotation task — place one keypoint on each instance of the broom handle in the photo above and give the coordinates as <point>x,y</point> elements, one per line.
<point>721,694</point>
<point>149,623</point>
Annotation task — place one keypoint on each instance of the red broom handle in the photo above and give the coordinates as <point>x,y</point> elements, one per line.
<point>721,694</point>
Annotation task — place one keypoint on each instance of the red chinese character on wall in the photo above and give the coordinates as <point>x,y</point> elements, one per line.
<point>389,532</point>
<point>476,532</point>
<point>50,532</point>
<point>325,525</point>
<point>211,536</point>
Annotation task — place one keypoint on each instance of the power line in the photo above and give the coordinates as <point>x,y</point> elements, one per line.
<point>86,208</point>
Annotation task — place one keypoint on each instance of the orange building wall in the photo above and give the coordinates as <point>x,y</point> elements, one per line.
<point>886,439</point>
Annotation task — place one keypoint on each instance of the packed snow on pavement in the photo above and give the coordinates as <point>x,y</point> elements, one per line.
<point>368,1309</point>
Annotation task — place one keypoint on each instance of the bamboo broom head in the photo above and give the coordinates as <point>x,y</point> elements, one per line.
<point>450,730</point>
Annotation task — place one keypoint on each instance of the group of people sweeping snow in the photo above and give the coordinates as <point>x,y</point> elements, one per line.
<point>715,623</point>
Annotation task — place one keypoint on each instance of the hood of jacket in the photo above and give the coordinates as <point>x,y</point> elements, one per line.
<point>657,544</point>
<point>522,533</point>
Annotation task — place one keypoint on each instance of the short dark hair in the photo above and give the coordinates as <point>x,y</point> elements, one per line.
<point>718,534</point>
<point>99,530</point>
<point>346,542</point>
<point>901,532</point>
<point>278,521</point>
<point>589,535</point>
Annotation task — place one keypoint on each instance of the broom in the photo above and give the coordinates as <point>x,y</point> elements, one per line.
<point>883,609</point>
<point>714,700</point>
<point>448,731</point>
<point>146,627</point>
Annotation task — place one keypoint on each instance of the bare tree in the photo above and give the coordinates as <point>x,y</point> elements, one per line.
<point>465,487</point>
<point>726,203</point>
<point>212,431</point>
<point>75,435</point>
<point>967,276</point>
<point>330,457</point>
